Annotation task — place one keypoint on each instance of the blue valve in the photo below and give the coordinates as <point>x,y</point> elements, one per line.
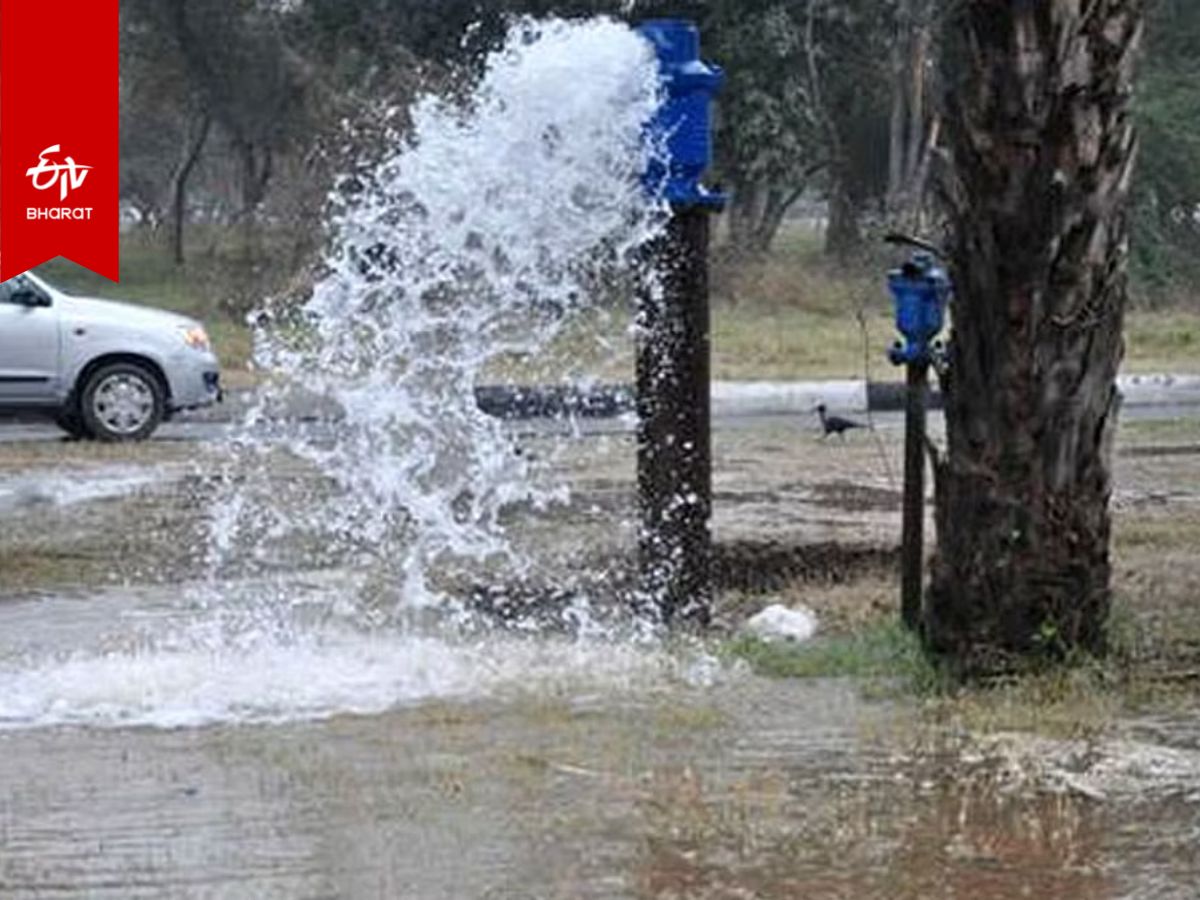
<point>684,121</point>
<point>920,290</point>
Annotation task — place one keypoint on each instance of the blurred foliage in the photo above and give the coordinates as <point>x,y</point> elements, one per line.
<point>815,109</point>
<point>1166,243</point>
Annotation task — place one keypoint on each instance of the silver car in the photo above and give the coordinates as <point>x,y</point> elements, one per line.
<point>104,370</point>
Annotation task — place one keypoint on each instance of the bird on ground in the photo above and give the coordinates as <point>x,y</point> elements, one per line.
<point>835,424</point>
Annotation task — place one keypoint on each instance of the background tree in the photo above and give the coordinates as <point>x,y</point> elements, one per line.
<point>1040,128</point>
<point>1167,184</point>
<point>199,63</point>
<point>164,123</point>
<point>768,144</point>
<point>805,109</point>
<point>913,125</point>
<point>242,112</point>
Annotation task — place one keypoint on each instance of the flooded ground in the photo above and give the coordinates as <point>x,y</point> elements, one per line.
<point>145,756</point>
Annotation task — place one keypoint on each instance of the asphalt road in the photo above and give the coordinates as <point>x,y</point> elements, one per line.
<point>199,430</point>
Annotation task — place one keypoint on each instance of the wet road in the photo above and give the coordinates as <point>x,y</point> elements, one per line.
<point>199,429</point>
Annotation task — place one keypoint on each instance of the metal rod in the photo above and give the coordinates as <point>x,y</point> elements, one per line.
<point>912,552</point>
<point>674,429</point>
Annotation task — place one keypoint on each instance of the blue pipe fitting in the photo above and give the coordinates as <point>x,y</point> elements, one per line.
<point>920,290</point>
<point>683,124</point>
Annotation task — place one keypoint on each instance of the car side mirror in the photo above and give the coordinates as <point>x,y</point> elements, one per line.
<point>29,297</point>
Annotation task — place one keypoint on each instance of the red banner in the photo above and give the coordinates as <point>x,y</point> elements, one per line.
<point>59,135</point>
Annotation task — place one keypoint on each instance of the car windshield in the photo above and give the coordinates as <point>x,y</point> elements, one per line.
<point>40,283</point>
<point>26,281</point>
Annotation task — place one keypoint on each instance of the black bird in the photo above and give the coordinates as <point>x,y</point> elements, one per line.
<point>836,424</point>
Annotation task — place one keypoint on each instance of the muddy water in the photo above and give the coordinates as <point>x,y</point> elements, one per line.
<point>743,789</point>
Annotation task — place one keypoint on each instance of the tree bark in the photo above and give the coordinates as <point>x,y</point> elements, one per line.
<point>1039,127</point>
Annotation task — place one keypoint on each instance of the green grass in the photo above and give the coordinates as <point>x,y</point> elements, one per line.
<point>750,343</point>
<point>1162,341</point>
<point>147,276</point>
<point>1159,431</point>
<point>1079,697</point>
<point>878,651</point>
<point>150,277</point>
<point>766,340</point>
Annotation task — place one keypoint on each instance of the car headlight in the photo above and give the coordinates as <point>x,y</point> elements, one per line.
<point>196,337</point>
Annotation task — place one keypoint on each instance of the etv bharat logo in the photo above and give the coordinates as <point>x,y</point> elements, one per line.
<point>68,175</point>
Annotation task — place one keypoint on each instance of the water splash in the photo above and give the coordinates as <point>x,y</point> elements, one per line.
<point>138,657</point>
<point>318,675</point>
<point>480,237</point>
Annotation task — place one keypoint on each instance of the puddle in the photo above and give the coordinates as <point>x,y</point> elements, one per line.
<point>1101,769</point>
<point>68,487</point>
<point>660,789</point>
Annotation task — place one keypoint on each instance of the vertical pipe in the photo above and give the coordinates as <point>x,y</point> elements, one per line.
<point>913,541</point>
<point>674,430</point>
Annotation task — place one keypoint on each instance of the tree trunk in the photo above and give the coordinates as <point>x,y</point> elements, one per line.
<point>896,122</point>
<point>843,237</point>
<point>756,213</point>
<point>774,209</point>
<point>920,182</point>
<point>743,214</point>
<point>190,155</point>
<point>1039,126</point>
<point>919,41</point>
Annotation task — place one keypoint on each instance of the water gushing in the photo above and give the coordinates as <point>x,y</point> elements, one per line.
<point>481,236</point>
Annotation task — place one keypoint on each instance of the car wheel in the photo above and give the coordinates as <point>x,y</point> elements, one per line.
<point>70,421</point>
<point>122,402</point>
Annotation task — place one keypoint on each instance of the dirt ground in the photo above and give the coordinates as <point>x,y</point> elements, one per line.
<point>797,518</point>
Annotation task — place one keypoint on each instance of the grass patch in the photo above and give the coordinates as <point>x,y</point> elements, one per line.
<point>1162,341</point>
<point>793,314</point>
<point>1060,702</point>
<point>148,276</point>
<point>1149,647</point>
<point>234,345</point>
<point>750,343</point>
<point>597,344</point>
<point>1153,537</point>
<point>1073,700</point>
<point>879,651</point>
<point>50,456</point>
<point>201,289</point>
<point>1136,432</point>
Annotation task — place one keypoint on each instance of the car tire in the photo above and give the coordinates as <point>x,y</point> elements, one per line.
<point>122,401</point>
<point>70,421</point>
